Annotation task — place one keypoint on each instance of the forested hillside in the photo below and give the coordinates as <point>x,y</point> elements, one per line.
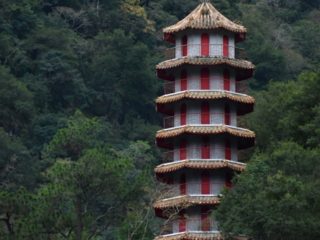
<point>77,118</point>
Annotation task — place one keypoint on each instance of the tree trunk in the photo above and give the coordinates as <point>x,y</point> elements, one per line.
<point>79,223</point>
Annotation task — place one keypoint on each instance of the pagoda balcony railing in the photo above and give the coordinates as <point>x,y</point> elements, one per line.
<point>200,118</point>
<point>241,87</point>
<point>193,224</point>
<point>195,153</point>
<point>191,189</point>
<point>197,50</point>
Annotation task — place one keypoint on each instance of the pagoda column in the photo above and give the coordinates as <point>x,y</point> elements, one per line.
<point>201,136</point>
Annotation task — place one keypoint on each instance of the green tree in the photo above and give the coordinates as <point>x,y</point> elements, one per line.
<point>89,188</point>
<point>277,197</point>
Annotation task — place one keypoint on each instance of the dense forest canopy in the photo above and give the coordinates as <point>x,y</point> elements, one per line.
<point>77,118</point>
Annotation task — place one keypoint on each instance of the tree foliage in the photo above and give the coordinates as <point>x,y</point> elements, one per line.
<point>77,117</point>
<point>276,198</point>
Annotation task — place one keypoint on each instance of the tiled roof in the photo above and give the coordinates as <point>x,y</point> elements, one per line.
<point>237,63</point>
<point>214,129</point>
<point>191,236</point>
<point>185,201</point>
<point>196,236</point>
<point>199,164</point>
<point>205,16</point>
<point>190,94</point>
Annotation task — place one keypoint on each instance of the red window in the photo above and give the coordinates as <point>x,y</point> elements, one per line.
<point>183,150</point>
<point>183,185</point>
<point>225,46</point>
<point>228,150</point>
<point>183,80</point>
<point>205,44</point>
<point>205,149</point>
<point>184,46</point>
<point>228,182</point>
<point>227,120</point>
<point>205,80</point>
<point>183,114</point>
<point>205,183</point>
<point>205,220</point>
<point>205,113</point>
<point>182,223</point>
<point>226,80</point>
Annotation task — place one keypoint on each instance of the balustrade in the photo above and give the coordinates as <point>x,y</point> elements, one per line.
<point>200,118</point>
<point>193,224</point>
<point>196,153</point>
<point>241,87</point>
<point>194,50</point>
<point>192,188</point>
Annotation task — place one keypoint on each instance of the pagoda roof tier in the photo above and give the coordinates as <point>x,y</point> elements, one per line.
<point>205,17</point>
<point>199,164</point>
<point>245,137</point>
<point>197,235</point>
<point>186,201</point>
<point>245,102</point>
<point>245,68</point>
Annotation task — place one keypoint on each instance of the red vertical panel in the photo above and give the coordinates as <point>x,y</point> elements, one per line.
<point>225,46</point>
<point>205,221</point>
<point>183,185</point>
<point>184,80</point>
<point>226,80</point>
<point>205,149</point>
<point>184,46</point>
<point>205,113</point>
<point>205,183</point>
<point>182,223</point>
<point>228,150</point>
<point>227,120</point>
<point>183,150</point>
<point>183,114</point>
<point>205,44</point>
<point>205,78</point>
<point>228,180</point>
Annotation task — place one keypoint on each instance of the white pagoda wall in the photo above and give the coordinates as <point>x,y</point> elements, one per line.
<point>217,149</point>
<point>215,41</point>
<point>193,221</point>
<point>194,82</point>
<point>216,109</point>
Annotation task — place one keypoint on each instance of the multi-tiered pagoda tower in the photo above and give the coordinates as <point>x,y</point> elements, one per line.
<point>201,137</point>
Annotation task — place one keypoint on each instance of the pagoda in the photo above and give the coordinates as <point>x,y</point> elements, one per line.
<point>201,104</point>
